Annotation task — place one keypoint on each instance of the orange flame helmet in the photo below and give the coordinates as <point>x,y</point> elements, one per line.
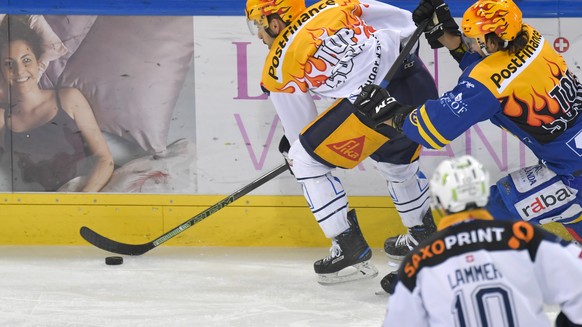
<point>258,10</point>
<point>501,17</point>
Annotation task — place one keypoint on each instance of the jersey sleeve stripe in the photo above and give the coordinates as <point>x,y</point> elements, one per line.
<point>436,136</point>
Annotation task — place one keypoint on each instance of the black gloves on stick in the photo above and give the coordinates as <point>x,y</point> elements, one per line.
<point>375,103</point>
<point>437,11</point>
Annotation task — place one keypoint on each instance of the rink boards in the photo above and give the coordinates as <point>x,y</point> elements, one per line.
<point>285,221</point>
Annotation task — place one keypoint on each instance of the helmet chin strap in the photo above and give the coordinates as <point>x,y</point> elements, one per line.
<point>270,33</point>
<point>483,47</point>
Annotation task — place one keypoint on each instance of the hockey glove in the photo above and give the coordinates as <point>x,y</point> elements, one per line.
<point>563,321</point>
<point>376,104</point>
<point>388,283</point>
<point>438,11</point>
<point>284,147</point>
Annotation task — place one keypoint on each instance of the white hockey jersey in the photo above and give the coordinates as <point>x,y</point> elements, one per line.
<point>331,50</point>
<point>481,272</point>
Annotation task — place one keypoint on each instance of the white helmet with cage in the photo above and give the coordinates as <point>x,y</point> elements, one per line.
<point>459,184</point>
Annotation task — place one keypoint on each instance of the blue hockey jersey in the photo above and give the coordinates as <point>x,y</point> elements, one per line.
<point>530,93</point>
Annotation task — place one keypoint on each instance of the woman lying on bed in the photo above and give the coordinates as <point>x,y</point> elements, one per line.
<point>53,134</point>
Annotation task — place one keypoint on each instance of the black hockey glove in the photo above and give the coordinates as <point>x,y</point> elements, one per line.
<point>441,20</point>
<point>563,321</point>
<point>388,283</point>
<point>284,147</point>
<point>375,103</point>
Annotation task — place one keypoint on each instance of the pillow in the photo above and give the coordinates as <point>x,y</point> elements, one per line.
<point>131,69</point>
<point>52,47</point>
<point>171,173</point>
<point>71,29</point>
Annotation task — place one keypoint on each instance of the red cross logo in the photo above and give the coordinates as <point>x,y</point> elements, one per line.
<point>561,44</point>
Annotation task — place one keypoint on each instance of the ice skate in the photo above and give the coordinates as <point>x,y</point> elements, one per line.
<point>349,257</point>
<point>398,247</point>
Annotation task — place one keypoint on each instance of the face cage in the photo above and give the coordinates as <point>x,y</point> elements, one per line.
<point>255,25</point>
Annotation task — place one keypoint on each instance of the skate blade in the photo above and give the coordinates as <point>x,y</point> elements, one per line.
<point>360,271</point>
<point>396,258</point>
<point>381,292</point>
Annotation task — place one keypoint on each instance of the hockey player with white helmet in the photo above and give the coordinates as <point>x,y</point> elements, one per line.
<point>476,271</point>
<point>330,50</point>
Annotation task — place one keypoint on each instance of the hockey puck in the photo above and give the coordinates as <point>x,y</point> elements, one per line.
<point>114,261</point>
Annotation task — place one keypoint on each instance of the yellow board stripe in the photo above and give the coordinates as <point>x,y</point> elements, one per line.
<point>274,221</point>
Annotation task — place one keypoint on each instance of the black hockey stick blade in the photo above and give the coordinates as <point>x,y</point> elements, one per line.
<point>404,53</point>
<point>110,245</point>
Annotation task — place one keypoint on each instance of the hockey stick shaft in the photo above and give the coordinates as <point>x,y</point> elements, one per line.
<point>110,245</point>
<point>404,53</point>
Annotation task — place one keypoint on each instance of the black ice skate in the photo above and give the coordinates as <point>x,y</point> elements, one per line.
<point>348,249</point>
<point>398,247</point>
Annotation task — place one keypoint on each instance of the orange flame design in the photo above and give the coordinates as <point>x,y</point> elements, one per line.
<point>275,10</point>
<point>308,73</point>
<point>534,106</point>
<point>494,19</point>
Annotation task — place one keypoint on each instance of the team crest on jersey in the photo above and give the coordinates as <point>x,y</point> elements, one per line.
<point>350,149</point>
<point>414,117</point>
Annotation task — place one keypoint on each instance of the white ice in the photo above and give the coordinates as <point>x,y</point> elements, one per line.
<point>182,286</point>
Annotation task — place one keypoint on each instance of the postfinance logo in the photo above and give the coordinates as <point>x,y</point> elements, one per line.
<point>518,62</point>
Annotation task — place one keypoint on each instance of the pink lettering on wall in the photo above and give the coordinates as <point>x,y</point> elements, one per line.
<point>258,164</point>
<point>502,159</point>
<point>501,163</point>
<point>242,75</point>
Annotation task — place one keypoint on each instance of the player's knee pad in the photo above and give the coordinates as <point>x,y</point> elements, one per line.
<point>396,172</point>
<point>327,200</point>
<point>303,165</point>
<point>536,194</point>
<point>409,189</point>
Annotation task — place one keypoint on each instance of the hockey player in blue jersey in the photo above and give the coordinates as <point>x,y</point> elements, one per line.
<point>512,77</point>
<point>476,271</point>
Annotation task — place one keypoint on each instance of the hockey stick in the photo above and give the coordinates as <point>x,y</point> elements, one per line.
<point>404,53</point>
<point>110,245</point>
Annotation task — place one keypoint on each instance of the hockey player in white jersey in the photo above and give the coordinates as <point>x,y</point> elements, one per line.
<point>330,50</point>
<point>476,271</point>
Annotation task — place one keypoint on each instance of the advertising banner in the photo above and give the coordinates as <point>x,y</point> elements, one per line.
<point>88,103</point>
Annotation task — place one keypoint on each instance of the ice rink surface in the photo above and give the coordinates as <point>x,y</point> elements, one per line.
<point>182,286</point>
